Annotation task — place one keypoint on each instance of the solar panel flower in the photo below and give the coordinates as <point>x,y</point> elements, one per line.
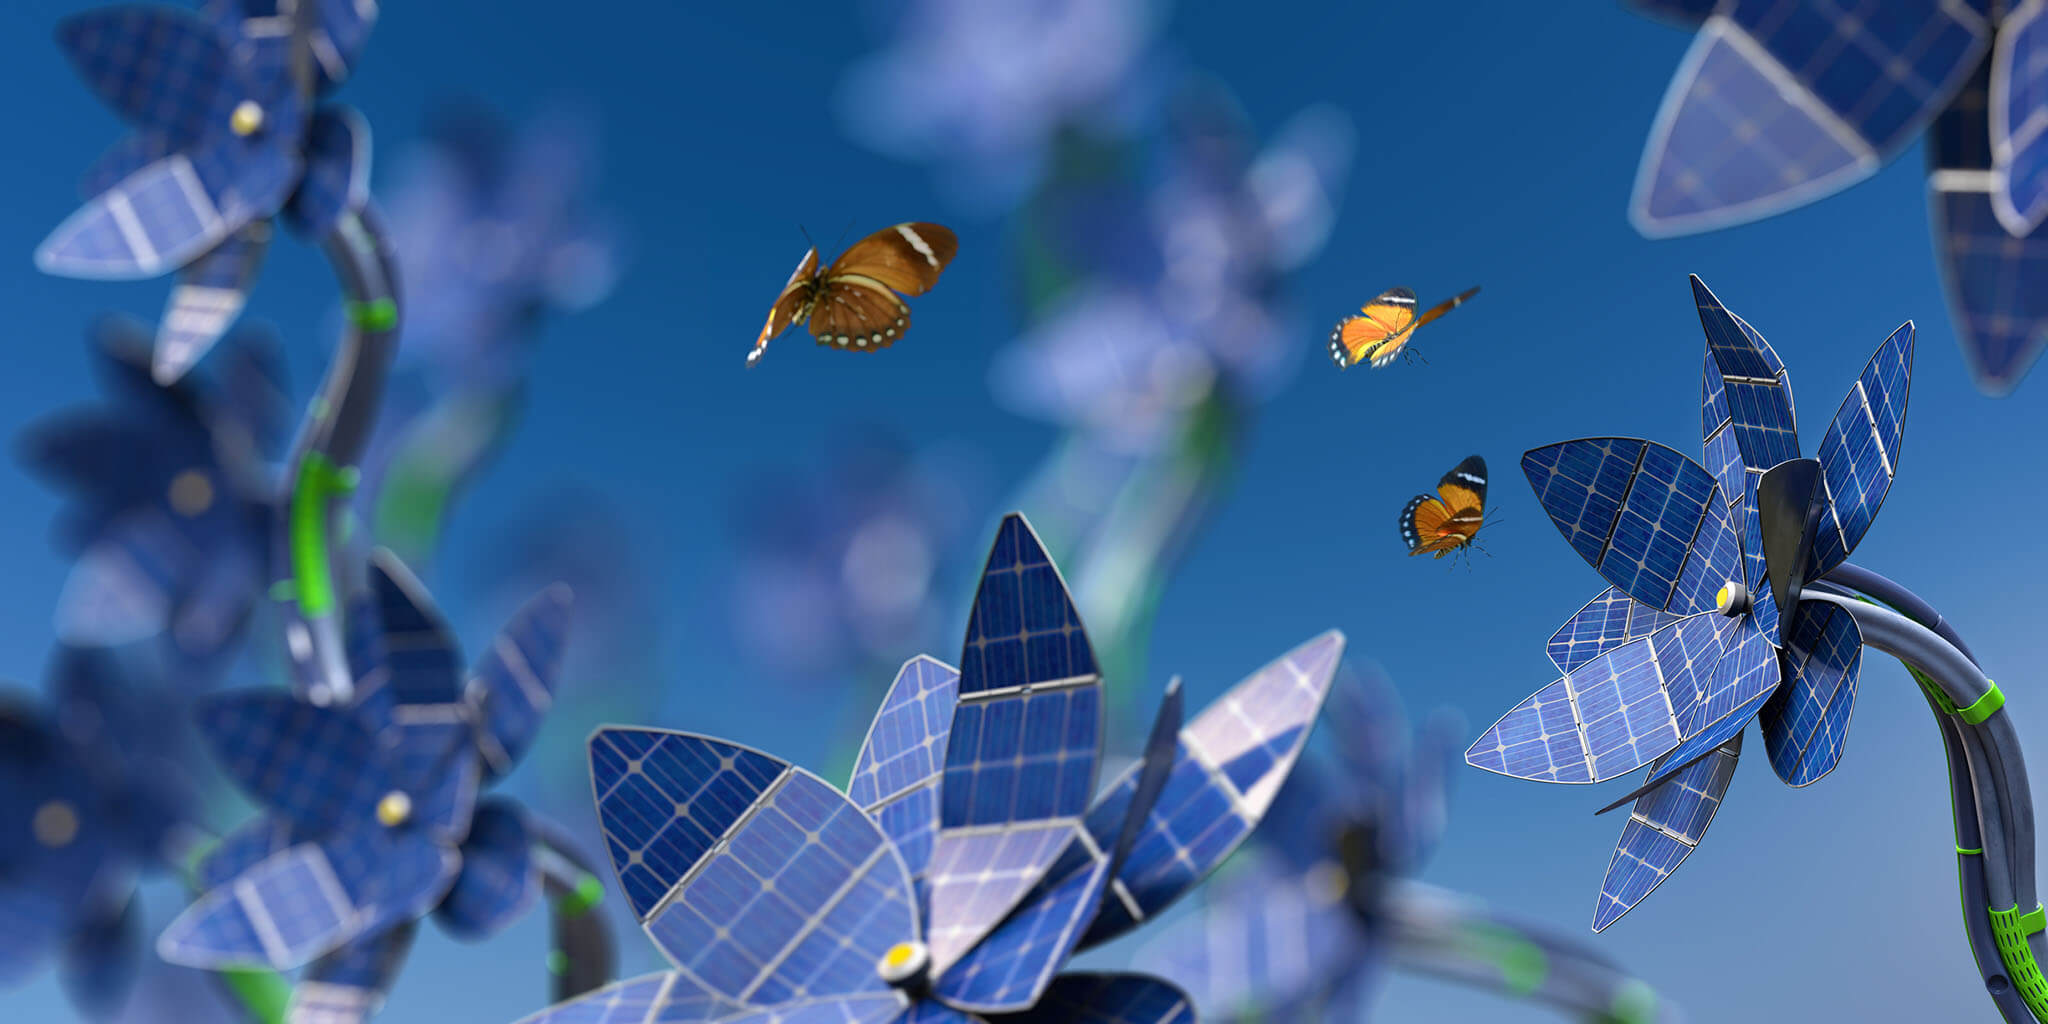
<point>91,797</point>
<point>372,813</point>
<point>1782,102</point>
<point>1706,626</point>
<point>229,133</point>
<point>966,860</point>
<point>170,509</point>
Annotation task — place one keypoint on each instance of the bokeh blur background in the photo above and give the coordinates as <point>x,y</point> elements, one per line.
<point>1161,212</point>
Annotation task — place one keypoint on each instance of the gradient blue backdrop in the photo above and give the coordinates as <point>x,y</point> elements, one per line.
<point>1498,146</point>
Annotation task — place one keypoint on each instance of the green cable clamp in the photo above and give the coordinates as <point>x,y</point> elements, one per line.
<point>1522,963</point>
<point>1984,707</point>
<point>558,962</point>
<point>312,580</point>
<point>589,892</point>
<point>375,315</point>
<point>1635,1002</point>
<point>2011,929</point>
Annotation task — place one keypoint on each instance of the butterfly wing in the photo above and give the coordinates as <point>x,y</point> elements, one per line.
<point>1383,322</point>
<point>858,313</point>
<point>907,257</point>
<point>1464,487</point>
<point>1422,524</point>
<point>793,305</point>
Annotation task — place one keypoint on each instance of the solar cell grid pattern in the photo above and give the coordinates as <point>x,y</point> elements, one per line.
<point>497,882</point>
<point>513,684</point>
<point>896,777</point>
<point>1022,758</point>
<point>1860,452</point>
<point>314,765</point>
<point>978,876</point>
<point>1665,826</point>
<point>1613,714</point>
<point>2003,323</point>
<point>1610,619</point>
<point>1023,630</point>
<point>1228,767</point>
<point>1805,724</point>
<point>2023,57</point>
<point>1110,999</point>
<point>661,997</point>
<point>1634,510</point>
<point>158,67</point>
<point>801,901</point>
<point>664,799</point>
<point>1010,968</point>
<point>1781,101</point>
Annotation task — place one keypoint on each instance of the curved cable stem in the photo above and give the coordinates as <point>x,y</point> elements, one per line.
<point>1442,934</point>
<point>583,958</point>
<point>1995,843</point>
<point>322,471</point>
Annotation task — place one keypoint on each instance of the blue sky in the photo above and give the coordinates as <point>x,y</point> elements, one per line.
<point>1497,148</point>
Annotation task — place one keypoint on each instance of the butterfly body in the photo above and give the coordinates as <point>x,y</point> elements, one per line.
<point>1383,328</point>
<point>856,304</point>
<point>1447,521</point>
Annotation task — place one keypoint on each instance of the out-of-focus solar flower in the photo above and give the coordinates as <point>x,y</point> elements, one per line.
<point>982,87</point>
<point>91,796</point>
<point>857,554</point>
<point>169,509</point>
<point>492,229</point>
<point>1174,290</point>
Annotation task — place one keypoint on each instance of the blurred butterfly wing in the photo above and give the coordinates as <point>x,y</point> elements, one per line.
<point>859,314</point>
<point>1444,307</point>
<point>791,305</point>
<point>1464,487</point>
<point>1422,523</point>
<point>906,257</point>
<point>1383,322</point>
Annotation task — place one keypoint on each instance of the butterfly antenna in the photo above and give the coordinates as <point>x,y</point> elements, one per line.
<point>1417,353</point>
<point>807,236</point>
<point>842,234</point>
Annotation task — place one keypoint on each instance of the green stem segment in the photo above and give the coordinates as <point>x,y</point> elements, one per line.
<point>319,483</point>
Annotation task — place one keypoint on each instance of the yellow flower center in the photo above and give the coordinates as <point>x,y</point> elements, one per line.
<point>247,119</point>
<point>55,824</point>
<point>394,809</point>
<point>191,493</point>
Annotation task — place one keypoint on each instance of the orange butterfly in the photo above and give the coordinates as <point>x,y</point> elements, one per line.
<point>1383,327</point>
<point>853,305</point>
<point>1448,520</point>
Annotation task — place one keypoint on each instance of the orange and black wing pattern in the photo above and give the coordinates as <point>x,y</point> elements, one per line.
<point>1441,523</point>
<point>858,307</point>
<point>792,306</point>
<point>1385,322</point>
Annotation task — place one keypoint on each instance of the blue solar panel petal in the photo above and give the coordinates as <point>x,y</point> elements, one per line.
<point>513,684</point>
<point>243,848</point>
<point>130,153</point>
<point>337,41</point>
<point>429,754</point>
<point>306,901</point>
<point>1688,13</point>
<point>1755,392</point>
<point>1780,102</point>
<point>978,876</point>
<point>1023,630</point>
<point>660,997</point>
<point>1611,715</point>
<point>1609,620</point>
<point>641,777</point>
<point>337,175</point>
<point>758,880</point>
<point>1010,968</point>
<point>896,777</point>
<point>419,648</point>
<point>1265,935</point>
<point>1860,452</point>
<point>1763,606</point>
<point>1633,509</point>
<point>497,881</point>
<point>2019,69</point>
<point>349,984</point>
<point>1743,679</point>
<point>862,1009</point>
<point>119,589</point>
<point>1229,765</point>
<point>165,215</point>
<point>1109,999</point>
<point>2001,323</point>
<point>102,956</point>
<point>160,68</point>
<point>314,765</point>
<point>1805,724</point>
<point>209,297</point>
<point>1665,826</point>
